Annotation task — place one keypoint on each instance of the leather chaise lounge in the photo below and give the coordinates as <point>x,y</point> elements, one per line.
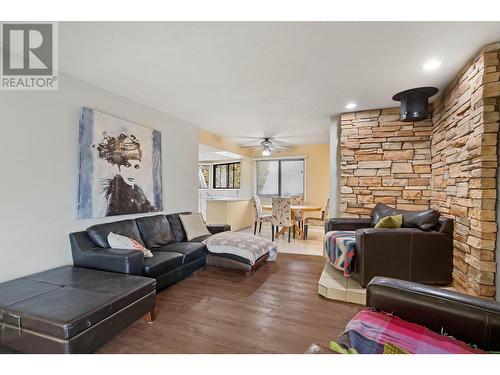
<point>174,257</point>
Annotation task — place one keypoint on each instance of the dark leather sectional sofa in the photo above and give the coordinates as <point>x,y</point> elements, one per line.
<point>420,251</point>
<point>174,257</point>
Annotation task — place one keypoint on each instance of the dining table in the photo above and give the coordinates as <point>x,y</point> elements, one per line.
<point>294,208</point>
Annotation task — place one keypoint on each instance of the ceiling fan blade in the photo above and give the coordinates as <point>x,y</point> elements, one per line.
<point>242,137</point>
<point>281,143</point>
<point>252,146</point>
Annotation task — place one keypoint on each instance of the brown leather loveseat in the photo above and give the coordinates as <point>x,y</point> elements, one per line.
<point>420,251</point>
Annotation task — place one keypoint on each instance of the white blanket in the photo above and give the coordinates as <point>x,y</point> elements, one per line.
<point>243,245</point>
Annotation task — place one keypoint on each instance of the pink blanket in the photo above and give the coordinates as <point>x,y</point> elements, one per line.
<point>372,332</point>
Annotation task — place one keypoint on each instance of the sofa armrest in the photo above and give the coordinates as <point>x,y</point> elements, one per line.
<point>87,255</point>
<point>470,319</point>
<point>114,260</point>
<point>347,223</point>
<point>403,253</point>
<point>217,228</point>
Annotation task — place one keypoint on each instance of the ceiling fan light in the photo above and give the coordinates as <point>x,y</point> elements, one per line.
<point>266,152</point>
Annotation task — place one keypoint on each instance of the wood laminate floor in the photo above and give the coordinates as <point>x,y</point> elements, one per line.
<point>275,310</point>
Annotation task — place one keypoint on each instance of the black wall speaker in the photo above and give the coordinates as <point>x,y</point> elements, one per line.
<point>415,102</point>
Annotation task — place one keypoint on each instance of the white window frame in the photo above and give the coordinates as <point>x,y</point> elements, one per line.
<point>298,157</point>
<point>209,186</point>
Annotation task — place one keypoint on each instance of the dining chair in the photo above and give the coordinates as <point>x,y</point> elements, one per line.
<point>316,221</point>
<point>260,217</point>
<point>282,215</point>
<point>297,200</point>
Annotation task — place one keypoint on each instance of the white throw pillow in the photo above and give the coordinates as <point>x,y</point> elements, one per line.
<point>117,241</point>
<point>194,226</point>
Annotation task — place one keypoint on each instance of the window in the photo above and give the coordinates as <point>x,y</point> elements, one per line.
<point>283,177</point>
<point>227,176</point>
<point>203,177</point>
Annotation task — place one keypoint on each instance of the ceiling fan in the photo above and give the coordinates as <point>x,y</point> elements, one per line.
<point>269,145</point>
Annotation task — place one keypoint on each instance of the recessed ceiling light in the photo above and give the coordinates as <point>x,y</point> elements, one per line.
<point>351,105</point>
<point>431,65</point>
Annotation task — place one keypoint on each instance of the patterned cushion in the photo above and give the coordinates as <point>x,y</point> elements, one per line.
<point>282,214</point>
<point>265,218</point>
<point>340,248</point>
<point>257,205</point>
<point>297,200</point>
<point>314,221</point>
<point>117,241</point>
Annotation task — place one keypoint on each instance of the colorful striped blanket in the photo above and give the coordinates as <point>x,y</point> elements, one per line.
<point>340,248</point>
<point>372,332</point>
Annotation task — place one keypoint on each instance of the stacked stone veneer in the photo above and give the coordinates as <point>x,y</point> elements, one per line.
<point>384,160</point>
<point>448,162</point>
<point>464,168</point>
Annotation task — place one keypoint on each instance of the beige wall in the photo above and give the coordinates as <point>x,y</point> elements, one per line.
<point>317,163</point>
<point>222,143</point>
<point>238,214</point>
<point>317,170</point>
<point>40,169</point>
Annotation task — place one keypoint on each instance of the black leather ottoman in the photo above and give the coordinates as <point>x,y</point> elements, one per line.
<point>71,310</point>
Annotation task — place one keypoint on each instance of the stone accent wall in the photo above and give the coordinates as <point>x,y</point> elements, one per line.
<point>383,160</point>
<point>464,169</point>
<point>448,162</point>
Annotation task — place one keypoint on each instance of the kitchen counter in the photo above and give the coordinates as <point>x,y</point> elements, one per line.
<point>237,212</point>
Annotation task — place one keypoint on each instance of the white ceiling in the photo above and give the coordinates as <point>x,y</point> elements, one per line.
<point>280,79</point>
<point>209,153</point>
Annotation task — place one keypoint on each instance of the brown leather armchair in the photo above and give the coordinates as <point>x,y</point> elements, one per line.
<point>408,253</point>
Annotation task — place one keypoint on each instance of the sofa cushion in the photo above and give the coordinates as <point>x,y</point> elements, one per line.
<point>393,221</point>
<point>190,250</point>
<point>155,231</point>
<point>119,242</point>
<point>162,263</point>
<point>128,228</point>
<point>176,225</point>
<point>425,219</point>
<point>380,211</point>
<point>194,226</point>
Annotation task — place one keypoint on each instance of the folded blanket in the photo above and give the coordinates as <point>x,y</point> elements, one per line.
<point>340,248</point>
<point>243,245</point>
<point>372,332</point>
